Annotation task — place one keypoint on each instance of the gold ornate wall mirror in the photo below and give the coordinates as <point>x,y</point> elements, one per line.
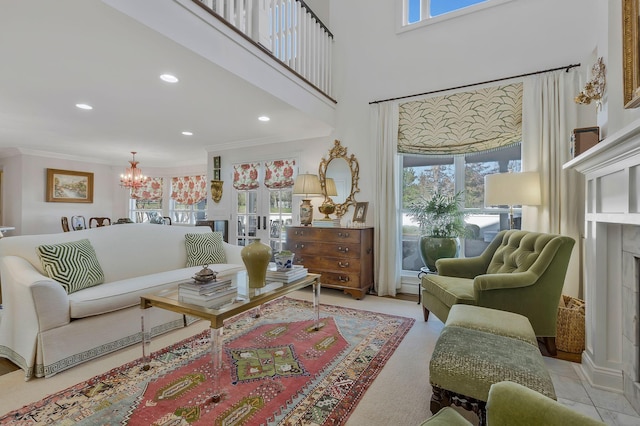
<point>630,53</point>
<point>344,170</point>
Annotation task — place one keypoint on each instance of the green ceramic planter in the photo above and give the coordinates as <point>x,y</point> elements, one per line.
<point>432,249</point>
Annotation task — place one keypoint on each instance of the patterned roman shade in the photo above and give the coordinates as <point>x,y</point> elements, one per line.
<point>188,189</point>
<point>245,176</point>
<point>461,123</point>
<point>151,190</point>
<point>279,174</point>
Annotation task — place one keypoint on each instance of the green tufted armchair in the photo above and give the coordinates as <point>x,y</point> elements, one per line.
<point>520,271</point>
<point>512,404</point>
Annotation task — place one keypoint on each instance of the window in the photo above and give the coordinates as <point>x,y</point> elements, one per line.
<point>423,174</point>
<point>429,11</point>
<point>187,203</point>
<point>146,202</point>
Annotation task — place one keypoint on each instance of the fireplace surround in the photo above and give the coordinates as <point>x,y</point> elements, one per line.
<point>611,267</point>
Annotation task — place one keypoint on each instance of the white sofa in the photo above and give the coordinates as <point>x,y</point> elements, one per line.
<point>44,330</point>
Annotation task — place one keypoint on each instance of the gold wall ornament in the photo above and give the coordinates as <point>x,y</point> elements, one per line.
<point>594,88</point>
<point>341,168</point>
<point>630,53</point>
<point>216,190</point>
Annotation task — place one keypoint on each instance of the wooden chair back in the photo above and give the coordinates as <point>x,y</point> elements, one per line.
<point>65,224</point>
<point>97,222</point>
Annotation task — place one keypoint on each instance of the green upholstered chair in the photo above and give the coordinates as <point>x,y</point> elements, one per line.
<point>520,271</point>
<point>511,404</point>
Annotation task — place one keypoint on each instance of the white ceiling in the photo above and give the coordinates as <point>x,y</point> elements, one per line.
<point>54,54</point>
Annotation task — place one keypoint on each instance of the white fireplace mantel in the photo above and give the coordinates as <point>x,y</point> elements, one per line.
<point>611,359</point>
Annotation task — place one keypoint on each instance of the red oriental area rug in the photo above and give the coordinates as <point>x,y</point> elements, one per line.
<point>278,370</point>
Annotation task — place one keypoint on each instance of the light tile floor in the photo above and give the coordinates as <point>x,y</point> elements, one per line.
<point>574,391</point>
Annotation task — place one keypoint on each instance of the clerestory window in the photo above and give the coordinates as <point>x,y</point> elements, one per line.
<point>431,11</point>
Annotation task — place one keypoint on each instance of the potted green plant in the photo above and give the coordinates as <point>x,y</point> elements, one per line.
<point>441,222</point>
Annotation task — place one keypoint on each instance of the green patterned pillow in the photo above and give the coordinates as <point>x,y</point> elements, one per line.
<point>74,264</point>
<point>204,249</point>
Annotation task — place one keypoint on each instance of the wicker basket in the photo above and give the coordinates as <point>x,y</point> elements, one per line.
<point>571,328</point>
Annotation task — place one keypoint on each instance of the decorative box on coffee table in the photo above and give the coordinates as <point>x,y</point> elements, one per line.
<point>344,256</point>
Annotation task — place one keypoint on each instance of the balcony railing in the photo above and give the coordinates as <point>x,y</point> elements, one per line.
<point>288,29</point>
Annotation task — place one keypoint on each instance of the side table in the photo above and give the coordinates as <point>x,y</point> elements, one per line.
<point>423,271</point>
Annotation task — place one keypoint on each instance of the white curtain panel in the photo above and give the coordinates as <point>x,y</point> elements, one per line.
<point>549,115</point>
<point>387,243</point>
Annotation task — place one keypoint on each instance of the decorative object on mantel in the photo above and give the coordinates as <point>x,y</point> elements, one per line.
<point>256,257</point>
<point>216,183</point>
<point>594,88</point>
<point>630,54</point>
<point>133,177</point>
<point>307,185</point>
<point>583,139</point>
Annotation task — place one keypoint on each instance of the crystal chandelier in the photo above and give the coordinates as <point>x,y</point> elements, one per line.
<point>133,177</point>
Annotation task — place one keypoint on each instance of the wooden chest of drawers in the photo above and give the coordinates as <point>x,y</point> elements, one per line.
<point>344,256</point>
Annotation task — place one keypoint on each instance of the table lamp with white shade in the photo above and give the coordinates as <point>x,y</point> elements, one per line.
<point>307,185</point>
<point>512,189</point>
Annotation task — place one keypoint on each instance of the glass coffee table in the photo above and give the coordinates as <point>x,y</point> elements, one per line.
<point>246,299</point>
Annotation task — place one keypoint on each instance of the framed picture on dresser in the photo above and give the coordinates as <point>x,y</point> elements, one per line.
<point>360,212</point>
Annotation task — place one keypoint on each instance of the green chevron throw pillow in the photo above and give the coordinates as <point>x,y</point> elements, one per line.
<point>74,264</point>
<point>204,249</point>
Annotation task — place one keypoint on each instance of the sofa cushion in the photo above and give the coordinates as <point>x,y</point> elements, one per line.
<point>73,264</point>
<point>122,294</point>
<point>450,290</point>
<point>204,249</point>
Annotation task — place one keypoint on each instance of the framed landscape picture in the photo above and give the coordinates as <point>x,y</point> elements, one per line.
<point>67,186</point>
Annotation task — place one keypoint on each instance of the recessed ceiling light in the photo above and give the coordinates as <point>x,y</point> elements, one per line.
<point>263,118</point>
<point>84,106</point>
<point>187,133</point>
<point>169,78</point>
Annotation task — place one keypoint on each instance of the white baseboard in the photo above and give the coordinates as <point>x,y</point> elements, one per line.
<point>600,377</point>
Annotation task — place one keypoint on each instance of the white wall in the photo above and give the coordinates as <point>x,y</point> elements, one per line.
<point>373,62</point>
<point>24,194</point>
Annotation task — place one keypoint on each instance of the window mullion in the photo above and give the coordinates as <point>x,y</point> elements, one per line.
<point>425,7</point>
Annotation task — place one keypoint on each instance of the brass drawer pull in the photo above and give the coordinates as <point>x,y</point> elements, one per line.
<point>343,235</point>
<point>343,249</point>
<point>299,246</point>
<point>343,265</point>
<point>343,279</point>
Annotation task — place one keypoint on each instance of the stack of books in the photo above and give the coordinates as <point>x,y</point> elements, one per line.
<point>210,295</point>
<point>287,276</point>
<point>326,223</point>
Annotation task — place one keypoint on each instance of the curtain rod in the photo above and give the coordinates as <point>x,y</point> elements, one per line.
<point>566,68</point>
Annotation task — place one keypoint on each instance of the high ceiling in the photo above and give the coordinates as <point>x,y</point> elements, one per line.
<point>55,54</point>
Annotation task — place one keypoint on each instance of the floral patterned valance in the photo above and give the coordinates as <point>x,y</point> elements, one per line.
<point>245,176</point>
<point>461,123</point>
<point>279,174</point>
<point>150,191</point>
<point>189,189</point>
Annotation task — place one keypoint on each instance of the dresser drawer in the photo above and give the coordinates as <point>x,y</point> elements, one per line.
<point>336,264</point>
<point>307,248</point>
<point>324,234</point>
<point>340,279</point>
